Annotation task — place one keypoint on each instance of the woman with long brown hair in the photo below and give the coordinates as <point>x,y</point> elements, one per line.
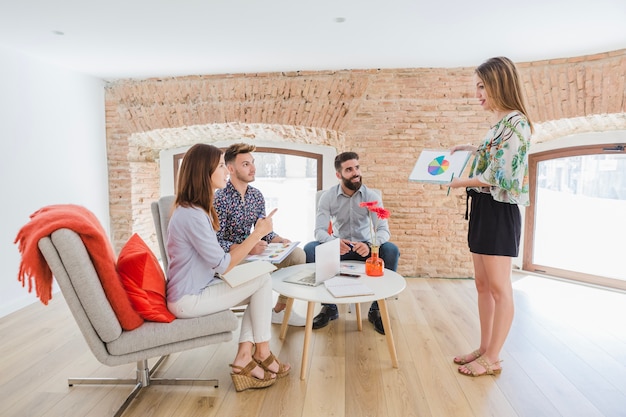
<point>196,260</point>
<point>497,184</point>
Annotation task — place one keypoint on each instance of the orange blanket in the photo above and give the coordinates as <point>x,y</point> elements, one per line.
<point>33,265</point>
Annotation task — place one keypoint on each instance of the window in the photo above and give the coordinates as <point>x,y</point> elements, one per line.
<point>575,225</point>
<point>288,180</point>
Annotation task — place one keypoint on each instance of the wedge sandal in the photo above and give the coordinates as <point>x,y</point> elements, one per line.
<point>244,380</point>
<point>282,368</point>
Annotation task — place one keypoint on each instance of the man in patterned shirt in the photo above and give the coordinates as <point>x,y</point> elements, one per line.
<point>239,206</point>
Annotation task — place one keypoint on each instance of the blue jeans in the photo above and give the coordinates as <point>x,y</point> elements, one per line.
<point>388,252</point>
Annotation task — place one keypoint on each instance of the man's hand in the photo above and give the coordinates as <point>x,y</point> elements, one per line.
<point>362,249</point>
<point>259,248</point>
<point>345,246</point>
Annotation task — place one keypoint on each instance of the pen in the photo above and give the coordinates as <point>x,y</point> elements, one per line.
<point>451,178</point>
<point>345,274</point>
<point>350,245</point>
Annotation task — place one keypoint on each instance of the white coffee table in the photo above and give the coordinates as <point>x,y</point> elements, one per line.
<point>388,285</point>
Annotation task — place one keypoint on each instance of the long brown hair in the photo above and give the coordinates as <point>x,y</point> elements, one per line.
<point>503,85</point>
<point>194,187</point>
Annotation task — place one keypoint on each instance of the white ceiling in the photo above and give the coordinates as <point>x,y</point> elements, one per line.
<point>157,38</point>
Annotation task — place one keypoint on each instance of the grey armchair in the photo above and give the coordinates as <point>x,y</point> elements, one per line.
<point>161,212</point>
<point>74,271</point>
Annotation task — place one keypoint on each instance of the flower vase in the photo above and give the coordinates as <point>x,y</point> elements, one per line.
<point>374,265</point>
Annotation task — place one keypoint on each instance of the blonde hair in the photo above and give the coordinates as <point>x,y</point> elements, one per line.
<point>194,187</point>
<point>503,85</point>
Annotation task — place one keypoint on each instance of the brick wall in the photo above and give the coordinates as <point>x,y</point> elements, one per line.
<point>387,116</point>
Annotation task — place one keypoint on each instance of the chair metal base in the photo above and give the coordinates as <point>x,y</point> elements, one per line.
<point>143,379</point>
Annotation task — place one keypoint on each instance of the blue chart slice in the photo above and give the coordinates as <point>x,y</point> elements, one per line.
<point>438,166</point>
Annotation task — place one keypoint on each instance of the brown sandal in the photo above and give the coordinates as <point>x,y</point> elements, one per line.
<point>244,380</point>
<point>282,368</point>
<point>461,359</point>
<point>482,362</point>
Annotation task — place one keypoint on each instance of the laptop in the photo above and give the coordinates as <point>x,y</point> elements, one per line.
<point>327,265</point>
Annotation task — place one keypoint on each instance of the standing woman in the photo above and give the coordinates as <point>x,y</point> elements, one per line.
<point>196,259</point>
<point>497,184</point>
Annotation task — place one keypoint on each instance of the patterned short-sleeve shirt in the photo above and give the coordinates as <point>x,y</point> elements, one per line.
<point>502,160</point>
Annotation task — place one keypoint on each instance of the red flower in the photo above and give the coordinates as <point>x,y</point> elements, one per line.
<point>381,213</point>
<point>368,204</point>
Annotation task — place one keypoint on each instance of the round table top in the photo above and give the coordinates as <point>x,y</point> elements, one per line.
<point>388,285</point>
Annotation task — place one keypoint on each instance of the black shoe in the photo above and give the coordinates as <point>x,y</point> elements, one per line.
<point>329,312</point>
<point>374,317</point>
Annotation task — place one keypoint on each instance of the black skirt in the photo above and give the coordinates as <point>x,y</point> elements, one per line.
<point>494,227</point>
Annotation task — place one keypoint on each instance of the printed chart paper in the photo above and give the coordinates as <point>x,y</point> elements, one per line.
<point>274,253</point>
<point>437,166</point>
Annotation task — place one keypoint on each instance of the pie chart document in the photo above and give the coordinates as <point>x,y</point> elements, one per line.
<point>438,166</point>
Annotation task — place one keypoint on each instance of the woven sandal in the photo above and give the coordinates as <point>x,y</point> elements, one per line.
<point>461,359</point>
<point>488,368</point>
<point>282,369</point>
<point>244,380</point>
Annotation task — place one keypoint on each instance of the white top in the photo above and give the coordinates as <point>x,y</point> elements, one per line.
<point>194,253</point>
<point>390,284</point>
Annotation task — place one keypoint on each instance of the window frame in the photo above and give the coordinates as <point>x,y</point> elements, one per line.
<point>529,227</point>
<point>319,159</point>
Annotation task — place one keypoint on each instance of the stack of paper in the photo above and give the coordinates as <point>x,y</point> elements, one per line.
<point>346,287</point>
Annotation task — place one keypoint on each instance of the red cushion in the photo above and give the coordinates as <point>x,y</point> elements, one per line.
<point>143,280</point>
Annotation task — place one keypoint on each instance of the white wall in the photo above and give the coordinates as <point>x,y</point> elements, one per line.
<point>53,151</point>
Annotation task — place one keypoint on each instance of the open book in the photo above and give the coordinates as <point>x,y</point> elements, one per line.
<point>246,272</point>
<point>346,287</point>
<point>274,253</point>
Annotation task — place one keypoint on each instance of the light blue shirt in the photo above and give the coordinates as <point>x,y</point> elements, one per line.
<point>194,253</point>
<point>350,220</point>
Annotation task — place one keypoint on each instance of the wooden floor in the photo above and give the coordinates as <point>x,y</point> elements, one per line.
<point>565,356</point>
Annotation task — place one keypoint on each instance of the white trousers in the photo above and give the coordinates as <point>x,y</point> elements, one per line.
<point>257,294</point>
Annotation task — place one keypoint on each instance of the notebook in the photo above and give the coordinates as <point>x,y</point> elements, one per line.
<point>327,265</point>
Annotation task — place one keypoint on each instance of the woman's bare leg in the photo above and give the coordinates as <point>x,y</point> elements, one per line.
<point>262,352</point>
<point>486,304</point>
<point>495,306</point>
<point>486,307</point>
<point>244,356</point>
<point>499,271</point>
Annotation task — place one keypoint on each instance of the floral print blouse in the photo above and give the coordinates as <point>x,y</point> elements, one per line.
<point>502,160</point>
<point>238,214</point>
